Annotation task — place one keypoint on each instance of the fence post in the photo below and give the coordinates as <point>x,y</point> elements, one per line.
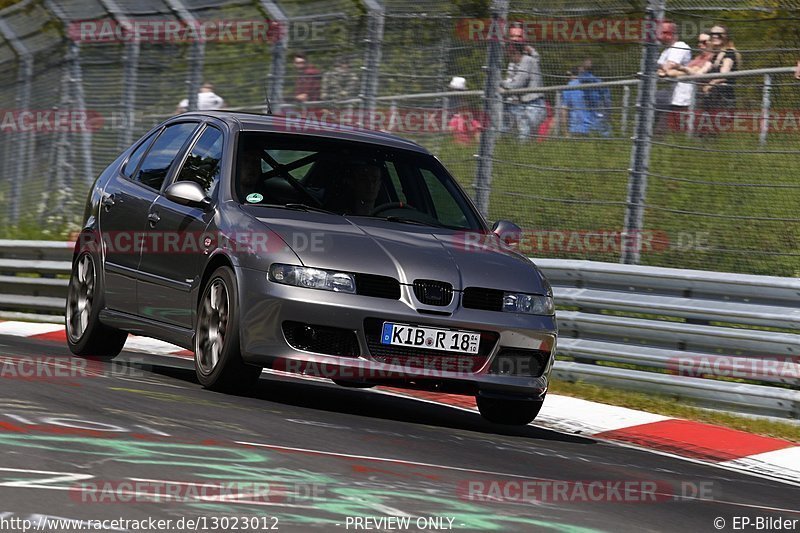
<point>129,78</point>
<point>130,62</point>
<point>23,101</point>
<point>642,136</point>
<point>626,102</point>
<point>766,103</point>
<point>492,109</point>
<point>372,61</point>
<point>277,67</point>
<point>76,79</point>
<point>197,54</point>
<point>692,113</point>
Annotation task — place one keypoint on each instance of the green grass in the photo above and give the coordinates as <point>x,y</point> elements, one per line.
<point>669,406</point>
<point>732,210</point>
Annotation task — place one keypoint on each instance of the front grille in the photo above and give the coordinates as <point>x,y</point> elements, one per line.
<point>377,286</point>
<point>431,292</point>
<point>519,362</point>
<point>418,358</point>
<point>321,339</point>
<point>480,298</point>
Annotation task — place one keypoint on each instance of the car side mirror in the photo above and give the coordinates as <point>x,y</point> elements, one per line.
<point>508,232</point>
<point>188,193</point>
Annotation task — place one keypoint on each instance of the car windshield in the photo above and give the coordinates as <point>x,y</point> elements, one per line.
<point>349,179</point>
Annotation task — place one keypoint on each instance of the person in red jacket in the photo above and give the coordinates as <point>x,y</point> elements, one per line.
<point>308,83</point>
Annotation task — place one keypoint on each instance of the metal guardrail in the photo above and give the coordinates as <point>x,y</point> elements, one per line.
<point>723,341</point>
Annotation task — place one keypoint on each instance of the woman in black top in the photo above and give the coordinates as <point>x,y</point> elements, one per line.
<point>719,93</point>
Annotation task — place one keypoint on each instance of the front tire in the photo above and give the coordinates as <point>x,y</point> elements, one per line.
<point>86,335</point>
<point>509,412</point>
<point>218,359</point>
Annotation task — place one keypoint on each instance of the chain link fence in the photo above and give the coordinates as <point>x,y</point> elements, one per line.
<point>597,165</point>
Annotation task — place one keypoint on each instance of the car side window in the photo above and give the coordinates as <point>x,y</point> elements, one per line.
<point>136,156</point>
<point>203,163</point>
<point>447,210</point>
<point>155,166</point>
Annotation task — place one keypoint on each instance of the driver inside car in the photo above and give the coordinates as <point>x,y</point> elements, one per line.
<point>357,190</point>
<point>250,173</point>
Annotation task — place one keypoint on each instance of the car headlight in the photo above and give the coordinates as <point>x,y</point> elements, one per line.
<point>531,304</point>
<point>312,278</point>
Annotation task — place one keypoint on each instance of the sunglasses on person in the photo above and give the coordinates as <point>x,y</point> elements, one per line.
<point>703,41</point>
<point>717,34</point>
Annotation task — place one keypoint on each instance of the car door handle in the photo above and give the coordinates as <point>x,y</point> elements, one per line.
<point>108,201</point>
<point>153,219</point>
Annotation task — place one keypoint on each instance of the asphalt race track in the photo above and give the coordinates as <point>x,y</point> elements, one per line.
<point>328,455</point>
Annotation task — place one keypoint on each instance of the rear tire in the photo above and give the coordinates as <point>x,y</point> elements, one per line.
<point>218,358</point>
<point>509,412</point>
<point>86,335</point>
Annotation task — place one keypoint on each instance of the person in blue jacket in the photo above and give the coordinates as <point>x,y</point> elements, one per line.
<point>575,112</point>
<point>598,100</point>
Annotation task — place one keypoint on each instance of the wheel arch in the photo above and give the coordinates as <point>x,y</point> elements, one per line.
<point>216,261</point>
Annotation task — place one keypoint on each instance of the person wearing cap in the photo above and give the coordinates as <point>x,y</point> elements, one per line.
<point>464,127</point>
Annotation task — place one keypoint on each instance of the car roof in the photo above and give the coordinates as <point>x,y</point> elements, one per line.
<point>296,126</point>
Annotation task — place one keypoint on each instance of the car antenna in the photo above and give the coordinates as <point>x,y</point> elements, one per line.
<point>266,99</point>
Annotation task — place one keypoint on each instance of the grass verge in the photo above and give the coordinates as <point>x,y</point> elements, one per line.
<point>667,406</point>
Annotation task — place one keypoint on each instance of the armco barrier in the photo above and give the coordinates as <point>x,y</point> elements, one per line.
<point>724,341</point>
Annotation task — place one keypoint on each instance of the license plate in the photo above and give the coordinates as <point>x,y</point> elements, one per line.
<point>446,340</point>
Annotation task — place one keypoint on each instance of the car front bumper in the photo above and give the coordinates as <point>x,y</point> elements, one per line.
<point>265,306</point>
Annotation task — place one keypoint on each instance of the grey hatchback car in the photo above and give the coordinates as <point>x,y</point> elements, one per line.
<point>352,255</point>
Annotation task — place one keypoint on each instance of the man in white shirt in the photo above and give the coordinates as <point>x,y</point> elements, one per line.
<point>676,54</point>
<point>207,100</point>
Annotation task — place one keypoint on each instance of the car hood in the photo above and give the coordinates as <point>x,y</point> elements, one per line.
<point>405,252</point>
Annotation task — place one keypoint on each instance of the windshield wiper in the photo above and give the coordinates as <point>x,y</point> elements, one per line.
<point>302,207</point>
<point>404,220</point>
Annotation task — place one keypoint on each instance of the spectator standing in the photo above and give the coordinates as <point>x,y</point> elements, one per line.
<point>207,100</point>
<point>676,54</point>
<point>575,112</point>
<point>684,91</point>
<point>529,108</point>
<point>339,83</point>
<point>719,93</point>
<point>307,85</point>
<point>464,127</point>
<point>597,100</point>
